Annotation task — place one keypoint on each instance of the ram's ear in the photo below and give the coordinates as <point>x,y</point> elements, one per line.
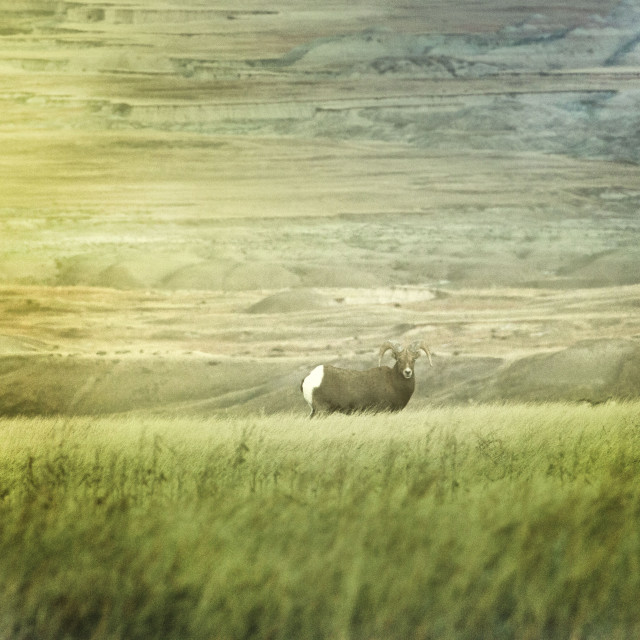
<point>395,348</point>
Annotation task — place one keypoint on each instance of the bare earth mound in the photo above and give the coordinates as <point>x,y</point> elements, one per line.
<point>339,276</point>
<point>609,268</point>
<point>204,276</point>
<point>291,302</point>
<point>260,276</point>
<point>592,371</point>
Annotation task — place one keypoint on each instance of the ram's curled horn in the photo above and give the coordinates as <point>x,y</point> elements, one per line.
<point>389,346</point>
<point>417,346</point>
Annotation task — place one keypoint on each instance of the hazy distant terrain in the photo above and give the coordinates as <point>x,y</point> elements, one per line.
<point>200,203</point>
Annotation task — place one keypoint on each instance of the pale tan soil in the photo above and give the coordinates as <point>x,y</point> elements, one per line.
<point>200,204</point>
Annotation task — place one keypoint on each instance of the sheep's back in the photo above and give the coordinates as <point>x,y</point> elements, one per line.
<point>352,390</point>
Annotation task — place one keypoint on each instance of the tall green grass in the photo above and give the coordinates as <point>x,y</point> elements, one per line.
<point>483,522</point>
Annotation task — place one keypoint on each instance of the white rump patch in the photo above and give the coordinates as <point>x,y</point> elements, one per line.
<point>312,382</point>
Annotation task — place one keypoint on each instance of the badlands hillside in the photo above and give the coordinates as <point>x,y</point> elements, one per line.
<point>201,200</point>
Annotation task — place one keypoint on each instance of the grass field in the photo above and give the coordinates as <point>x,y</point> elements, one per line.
<point>514,521</point>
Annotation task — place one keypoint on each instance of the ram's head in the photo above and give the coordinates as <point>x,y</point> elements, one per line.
<point>405,356</point>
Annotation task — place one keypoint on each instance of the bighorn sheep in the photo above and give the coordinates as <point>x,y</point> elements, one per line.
<point>328,389</point>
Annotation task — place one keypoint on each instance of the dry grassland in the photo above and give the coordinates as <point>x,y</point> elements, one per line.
<point>492,522</point>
